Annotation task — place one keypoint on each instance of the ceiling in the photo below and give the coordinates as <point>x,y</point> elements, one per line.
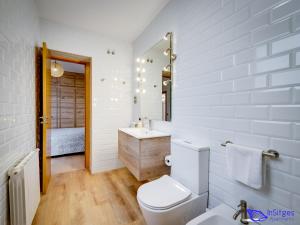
<point>120,19</point>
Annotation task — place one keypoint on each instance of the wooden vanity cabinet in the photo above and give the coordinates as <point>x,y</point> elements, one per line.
<point>144,157</point>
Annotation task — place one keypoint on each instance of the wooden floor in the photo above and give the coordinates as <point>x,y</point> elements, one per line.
<point>79,198</point>
<point>67,163</point>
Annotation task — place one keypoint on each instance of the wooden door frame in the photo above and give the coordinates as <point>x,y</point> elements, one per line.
<point>87,61</point>
<point>45,119</point>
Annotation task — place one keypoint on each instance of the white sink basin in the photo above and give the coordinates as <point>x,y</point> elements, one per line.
<point>221,215</point>
<point>141,133</point>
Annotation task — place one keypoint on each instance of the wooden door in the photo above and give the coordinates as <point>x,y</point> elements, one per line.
<point>46,118</point>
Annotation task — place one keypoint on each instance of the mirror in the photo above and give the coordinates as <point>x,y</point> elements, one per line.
<point>154,80</point>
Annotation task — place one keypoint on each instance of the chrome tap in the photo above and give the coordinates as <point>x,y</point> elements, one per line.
<point>150,124</point>
<point>147,123</point>
<point>243,212</point>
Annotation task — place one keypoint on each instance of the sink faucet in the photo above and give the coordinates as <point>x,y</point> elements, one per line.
<point>150,124</point>
<point>243,212</point>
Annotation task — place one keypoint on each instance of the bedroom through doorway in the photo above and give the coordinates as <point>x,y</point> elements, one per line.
<point>68,116</point>
<point>63,106</point>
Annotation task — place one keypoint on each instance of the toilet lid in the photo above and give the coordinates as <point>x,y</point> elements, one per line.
<point>163,193</point>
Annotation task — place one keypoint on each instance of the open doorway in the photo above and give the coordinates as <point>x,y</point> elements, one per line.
<point>64,113</point>
<point>68,117</point>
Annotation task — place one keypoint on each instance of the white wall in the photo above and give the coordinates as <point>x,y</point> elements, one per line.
<point>18,36</point>
<point>111,99</point>
<point>237,78</point>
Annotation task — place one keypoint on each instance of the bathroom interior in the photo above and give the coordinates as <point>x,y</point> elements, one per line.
<point>163,112</point>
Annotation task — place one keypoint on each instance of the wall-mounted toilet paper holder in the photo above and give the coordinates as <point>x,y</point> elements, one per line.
<point>168,160</point>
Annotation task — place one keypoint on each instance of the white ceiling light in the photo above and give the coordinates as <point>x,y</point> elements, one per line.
<point>56,69</point>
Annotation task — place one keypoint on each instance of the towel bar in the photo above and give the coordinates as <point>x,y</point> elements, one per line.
<point>270,153</point>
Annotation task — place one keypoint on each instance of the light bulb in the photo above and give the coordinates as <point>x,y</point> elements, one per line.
<point>138,60</point>
<point>138,79</point>
<point>143,70</point>
<point>166,37</point>
<point>167,68</point>
<point>138,69</point>
<point>144,79</point>
<point>56,69</point>
<point>143,61</point>
<point>173,56</point>
<point>144,91</point>
<point>137,90</point>
<point>165,83</point>
<point>115,79</point>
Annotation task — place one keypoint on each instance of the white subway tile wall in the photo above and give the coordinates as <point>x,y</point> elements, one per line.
<point>259,42</point>
<point>286,44</point>
<point>298,58</point>
<point>19,34</point>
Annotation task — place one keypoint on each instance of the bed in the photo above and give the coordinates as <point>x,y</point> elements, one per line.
<point>66,141</point>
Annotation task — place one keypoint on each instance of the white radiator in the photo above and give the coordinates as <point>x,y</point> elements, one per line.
<point>24,189</point>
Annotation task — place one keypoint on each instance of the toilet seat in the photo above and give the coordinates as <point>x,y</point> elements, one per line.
<point>163,193</point>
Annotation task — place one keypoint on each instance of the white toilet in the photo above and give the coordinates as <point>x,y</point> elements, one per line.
<point>176,199</point>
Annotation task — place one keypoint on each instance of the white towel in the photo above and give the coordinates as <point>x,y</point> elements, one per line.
<point>245,164</point>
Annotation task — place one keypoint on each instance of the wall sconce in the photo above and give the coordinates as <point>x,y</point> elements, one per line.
<point>167,35</point>
<point>167,68</point>
<point>169,51</point>
<point>166,82</point>
<point>173,56</point>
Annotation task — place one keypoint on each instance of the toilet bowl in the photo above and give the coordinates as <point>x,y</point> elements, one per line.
<point>176,199</point>
<point>167,202</point>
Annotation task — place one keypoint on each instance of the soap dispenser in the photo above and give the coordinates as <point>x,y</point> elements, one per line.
<point>140,123</point>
